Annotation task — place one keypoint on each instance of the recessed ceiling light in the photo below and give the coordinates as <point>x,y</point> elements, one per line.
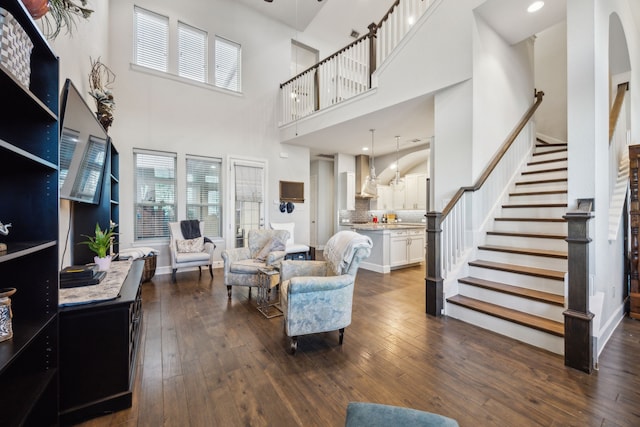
<point>535,6</point>
<point>365,148</point>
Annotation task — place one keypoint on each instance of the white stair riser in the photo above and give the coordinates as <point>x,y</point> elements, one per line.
<point>526,260</point>
<point>560,163</point>
<point>546,175</point>
<point>513,330</point>
<point>526,305</point>
<point>544,186</point>
<point>541,148</point>
<point>529,212</point>
<point>527,242</point>
<point>537,198</point>
<point>530,227</point>
<point>515,279</point>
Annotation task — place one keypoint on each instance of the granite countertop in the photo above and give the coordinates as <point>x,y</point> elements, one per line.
<point>107,289</point>
<point>371,226</point>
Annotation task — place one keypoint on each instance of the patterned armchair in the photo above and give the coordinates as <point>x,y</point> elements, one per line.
<point>317,296</point>
<point>265,248</point>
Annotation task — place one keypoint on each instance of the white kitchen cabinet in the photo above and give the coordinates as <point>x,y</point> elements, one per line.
<point>406,247</point>
<point>384,200</point>
<point>415,194</point>
<point>398,198</point>
<point>348,190</point>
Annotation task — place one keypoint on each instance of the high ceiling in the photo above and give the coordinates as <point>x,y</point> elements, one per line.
<point>334,19</point>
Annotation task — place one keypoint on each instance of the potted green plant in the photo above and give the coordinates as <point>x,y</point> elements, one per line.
<point>100,243</point>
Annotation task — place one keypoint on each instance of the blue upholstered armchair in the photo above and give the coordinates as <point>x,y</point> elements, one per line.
<point>317,296</point>
<point>265,248</point>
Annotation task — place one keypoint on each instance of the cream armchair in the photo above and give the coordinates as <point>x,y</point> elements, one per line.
<point>185,253</point>
<point>317,296</point>
<point>265,248</point>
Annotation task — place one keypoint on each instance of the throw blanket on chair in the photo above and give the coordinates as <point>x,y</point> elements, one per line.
<point>342,246</point>
<point>191,229</point>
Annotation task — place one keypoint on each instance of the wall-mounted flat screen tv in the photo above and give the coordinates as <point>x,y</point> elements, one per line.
<point>83,148</point>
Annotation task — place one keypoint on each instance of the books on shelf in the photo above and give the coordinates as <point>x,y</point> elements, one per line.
<point>81,275</point>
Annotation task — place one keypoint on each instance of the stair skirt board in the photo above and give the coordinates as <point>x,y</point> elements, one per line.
<point>526,305</point>
<point>516,331</point>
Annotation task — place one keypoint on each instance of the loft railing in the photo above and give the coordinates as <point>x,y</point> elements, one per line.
<point>347,72</point>
<point>450,233</point>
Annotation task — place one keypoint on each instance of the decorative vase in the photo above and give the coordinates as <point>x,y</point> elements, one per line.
<point>103,263</point>
<point>37,8</point>
<point>6,330</point>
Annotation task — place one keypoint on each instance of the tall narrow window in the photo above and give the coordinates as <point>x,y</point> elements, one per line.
<point>192,52</point>
<point>227,64</point>
<point>151,39</point>
<point>204,198</point>
<point>155,184</point>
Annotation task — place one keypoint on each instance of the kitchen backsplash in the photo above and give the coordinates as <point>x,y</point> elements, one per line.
<point>363,214</point>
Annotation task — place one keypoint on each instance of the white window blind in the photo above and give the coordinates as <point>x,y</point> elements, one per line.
<point>192,52</point>
<point>151,39</point>
<point>204,198</point>
<point>155,185</point>
<point>227,64</point>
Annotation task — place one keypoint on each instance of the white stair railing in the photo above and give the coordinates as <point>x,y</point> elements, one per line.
<point>347,73</point>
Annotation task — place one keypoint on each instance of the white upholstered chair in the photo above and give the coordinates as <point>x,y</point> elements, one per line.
<point>182,256</point>
<point>294,250</point>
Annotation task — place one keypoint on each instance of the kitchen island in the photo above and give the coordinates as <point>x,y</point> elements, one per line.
<point>396,245</point>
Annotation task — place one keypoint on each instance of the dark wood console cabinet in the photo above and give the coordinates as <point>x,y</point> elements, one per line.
<point>98,351</point>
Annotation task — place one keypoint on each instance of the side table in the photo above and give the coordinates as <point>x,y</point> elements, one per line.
<point>268,278</point>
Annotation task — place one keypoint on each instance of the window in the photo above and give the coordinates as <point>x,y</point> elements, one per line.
<point>204,198</point>
<point>155,185</point>
<point>227,67</point>
<point>151,43</point>
<point>192,53</point>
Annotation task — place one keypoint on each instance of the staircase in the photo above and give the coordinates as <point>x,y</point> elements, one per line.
<point>516,285</point>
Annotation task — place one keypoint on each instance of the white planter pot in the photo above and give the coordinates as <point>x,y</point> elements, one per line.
<point>103,263</point>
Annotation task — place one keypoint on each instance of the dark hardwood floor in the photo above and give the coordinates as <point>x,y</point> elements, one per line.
<point>209,362</point>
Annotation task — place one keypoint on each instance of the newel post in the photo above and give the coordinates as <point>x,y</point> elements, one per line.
<point>433,281</point>
<point>373,37</point>
<point>578,349</point>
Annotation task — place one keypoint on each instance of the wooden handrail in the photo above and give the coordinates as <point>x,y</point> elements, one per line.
<point>496,159</point>
<point>386,15</point>
<point>615,109</point>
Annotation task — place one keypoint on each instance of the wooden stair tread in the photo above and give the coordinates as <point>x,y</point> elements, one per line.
<point>534,235</point>
<point>520,269</point>
<point>545,171</point>
<point>542,143</point>
<point>542,153</point>
<point>541,162</point>
<point>537,205</point>
<point>524,319</point>
<point>542,181</point>
<point>505,288</point>
<point>531,219</point>
<point>538,193</point>
<point>524,251</point>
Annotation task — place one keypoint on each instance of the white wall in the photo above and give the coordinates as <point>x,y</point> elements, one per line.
<point>551,77</point>
<point>502,90</point>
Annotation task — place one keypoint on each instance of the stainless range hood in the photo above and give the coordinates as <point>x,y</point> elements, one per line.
<point>362,172</point>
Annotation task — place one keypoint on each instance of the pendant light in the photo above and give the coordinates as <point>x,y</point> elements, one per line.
<point>397,183</point>
<point>370,187</point>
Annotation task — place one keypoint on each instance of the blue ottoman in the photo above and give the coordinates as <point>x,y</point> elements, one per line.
<point>360,414</point>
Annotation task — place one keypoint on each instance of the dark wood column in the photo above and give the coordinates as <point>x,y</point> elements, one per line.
<point>373,43</point>
<point>433,281</point>
<point>578,348</point>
